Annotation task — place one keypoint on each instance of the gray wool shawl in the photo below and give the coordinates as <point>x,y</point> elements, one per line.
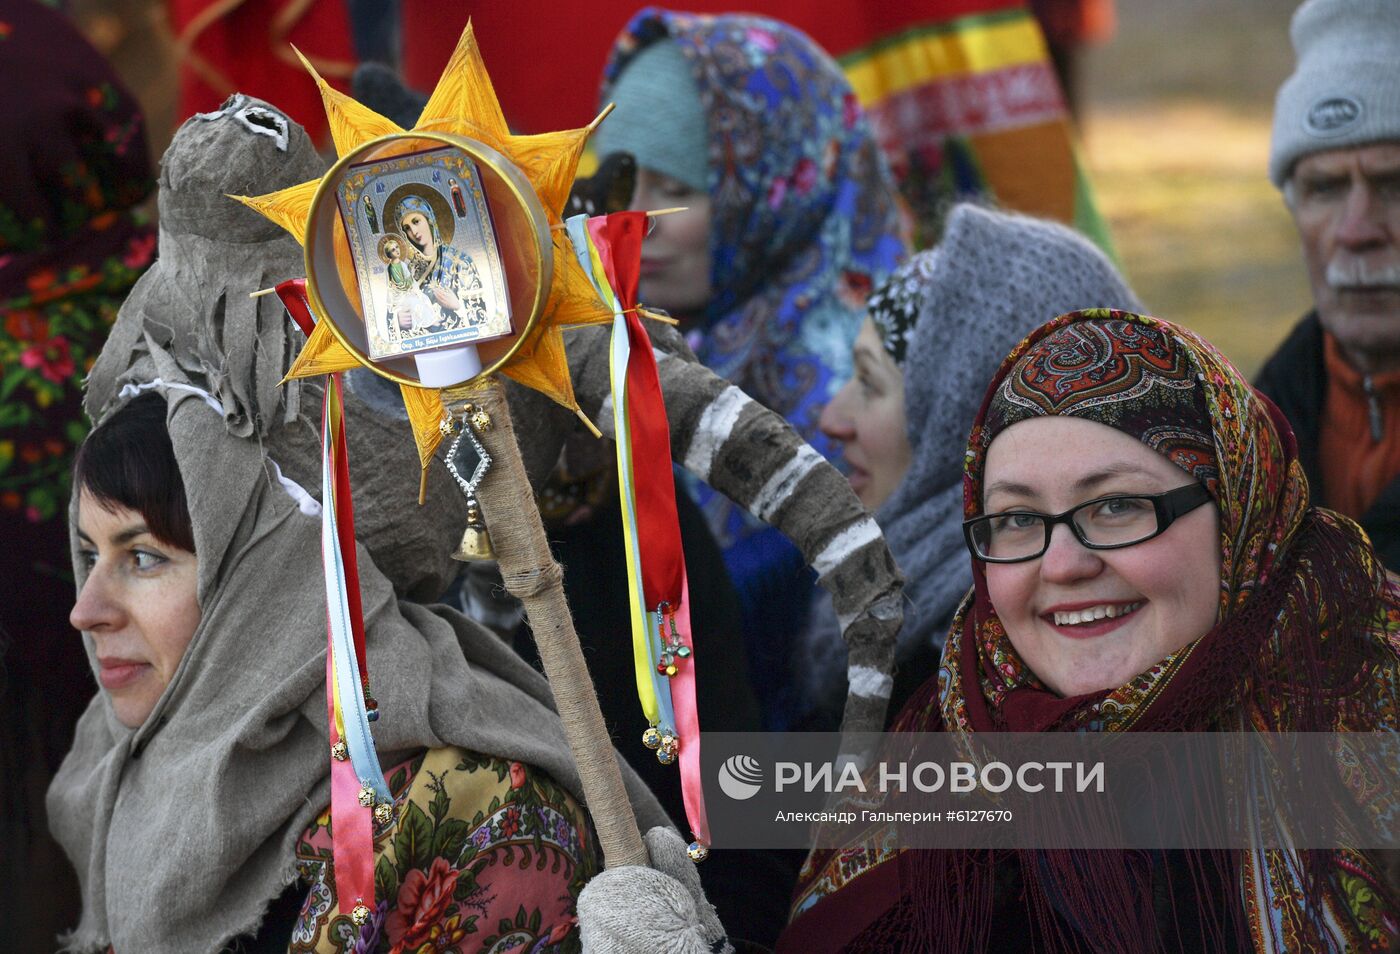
<point>182,830</point>
<point>991,280</point>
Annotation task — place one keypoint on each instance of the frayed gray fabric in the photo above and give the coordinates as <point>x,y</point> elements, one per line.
<point>214,251</point>
<point>193,305</point>
<point>656,910</point>
<point>412,544</point>
<point>993,278</point>
<point>183,830</point>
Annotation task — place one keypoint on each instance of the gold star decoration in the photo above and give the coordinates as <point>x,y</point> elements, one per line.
<point>463,103</point>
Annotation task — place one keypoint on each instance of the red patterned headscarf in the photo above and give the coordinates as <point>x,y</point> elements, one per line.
<point>1306,639</point>
<point>1129,376</point>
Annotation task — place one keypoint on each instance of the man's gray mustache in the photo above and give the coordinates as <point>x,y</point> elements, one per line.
<point>1351,272</point>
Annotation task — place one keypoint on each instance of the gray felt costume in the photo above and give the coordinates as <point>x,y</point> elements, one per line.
<point>183,830</point>
<point>948,316</point>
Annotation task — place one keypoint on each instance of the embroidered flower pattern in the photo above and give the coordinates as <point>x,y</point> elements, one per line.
<point>486,855</point>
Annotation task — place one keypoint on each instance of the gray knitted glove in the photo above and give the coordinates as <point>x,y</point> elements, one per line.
<point>656,910</point>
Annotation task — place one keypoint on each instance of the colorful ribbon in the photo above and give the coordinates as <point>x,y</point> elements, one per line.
<point>348,699</point>
<point>609,248</point>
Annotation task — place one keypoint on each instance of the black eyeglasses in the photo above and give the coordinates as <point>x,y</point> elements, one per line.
<point>1104,523</point>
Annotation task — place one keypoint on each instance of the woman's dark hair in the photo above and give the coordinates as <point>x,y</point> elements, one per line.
<point>129,462</point>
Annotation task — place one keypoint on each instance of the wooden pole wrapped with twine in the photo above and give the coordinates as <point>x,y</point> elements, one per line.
<point>532,576</point>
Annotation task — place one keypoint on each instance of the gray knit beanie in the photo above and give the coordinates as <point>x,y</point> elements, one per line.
<point>1345,90</point>
<point>991,280</point>
<point>659,118</point>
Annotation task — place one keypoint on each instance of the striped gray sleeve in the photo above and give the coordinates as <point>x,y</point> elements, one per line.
<point>754,457</point>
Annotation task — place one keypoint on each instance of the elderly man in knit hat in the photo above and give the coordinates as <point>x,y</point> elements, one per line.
<point>1336,157</point>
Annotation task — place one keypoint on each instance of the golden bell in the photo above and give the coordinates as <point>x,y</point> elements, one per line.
<point>476,541</point>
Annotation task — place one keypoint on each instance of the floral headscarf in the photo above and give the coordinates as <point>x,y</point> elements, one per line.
<point>1306,638</point>
<point>73,170</point>
<point>804,221</point>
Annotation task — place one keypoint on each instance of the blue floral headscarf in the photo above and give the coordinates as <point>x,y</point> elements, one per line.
<point>804,219</point>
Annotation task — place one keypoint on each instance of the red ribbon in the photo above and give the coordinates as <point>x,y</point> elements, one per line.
<point>618,238</point>
<point>293,295</point>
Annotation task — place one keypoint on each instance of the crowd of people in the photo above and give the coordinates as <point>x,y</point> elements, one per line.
<point>1102,526</point>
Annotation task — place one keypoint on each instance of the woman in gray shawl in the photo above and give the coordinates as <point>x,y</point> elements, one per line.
<point>934,334</point>
<point>193,802</point>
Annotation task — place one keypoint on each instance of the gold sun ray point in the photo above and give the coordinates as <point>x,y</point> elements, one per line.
<point>351,122</point>
<point>425,414</point>
<point>551,161</point>
<point>464,92</point>
<point>322,354</point>
<point>288,207</point>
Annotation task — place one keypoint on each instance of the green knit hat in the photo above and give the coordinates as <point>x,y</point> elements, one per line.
<point>659,118</point>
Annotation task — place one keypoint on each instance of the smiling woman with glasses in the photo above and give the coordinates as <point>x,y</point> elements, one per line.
<point>1145,558</point>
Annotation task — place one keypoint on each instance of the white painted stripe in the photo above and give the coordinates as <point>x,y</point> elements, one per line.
<point>845,543</point>
<point>605,417</point>
<point>780,486</point>
<point>868,681</point>
<point>716,424</point>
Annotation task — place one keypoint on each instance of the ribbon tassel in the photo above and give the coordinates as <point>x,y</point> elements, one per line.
<point>609,249</point>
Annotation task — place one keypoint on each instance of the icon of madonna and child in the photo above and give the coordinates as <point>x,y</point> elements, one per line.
<point>433,278</point>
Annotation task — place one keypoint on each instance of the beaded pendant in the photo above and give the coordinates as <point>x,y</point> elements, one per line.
<point>673,650</point>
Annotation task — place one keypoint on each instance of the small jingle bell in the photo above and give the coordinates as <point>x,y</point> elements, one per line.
<point>670,742</point>
<point>360,914</point>
<point>476,541</point>
<point>666,756</point>
<point>340,752</point>
<point>480,419</point>
<point>366,797</point>
<point>671,670</point>
<point>661,668</point>
<point>651,738</point>
<point>697,852</point>
<point>383,814</point>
